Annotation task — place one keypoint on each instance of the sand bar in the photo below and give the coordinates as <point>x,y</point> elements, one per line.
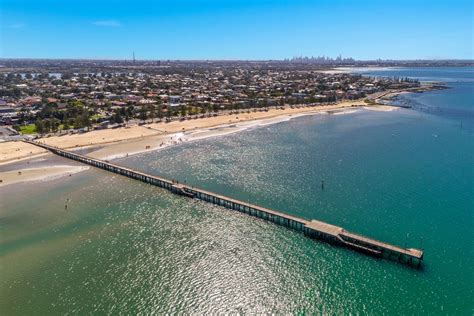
<point>381,108</point>
<point>38,174</point>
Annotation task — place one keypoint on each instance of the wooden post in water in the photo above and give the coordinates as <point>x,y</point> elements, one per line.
<point>312,228</point>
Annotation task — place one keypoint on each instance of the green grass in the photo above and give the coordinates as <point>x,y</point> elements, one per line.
<point>63,127</point>
<point>96,116</point>
<point>28,129</point>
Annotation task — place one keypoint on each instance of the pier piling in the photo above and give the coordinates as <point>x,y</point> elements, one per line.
<point>312,228</point>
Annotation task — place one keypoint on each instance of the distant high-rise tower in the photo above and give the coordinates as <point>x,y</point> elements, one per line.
<point>133,57</point>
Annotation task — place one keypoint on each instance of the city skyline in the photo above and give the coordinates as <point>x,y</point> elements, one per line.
<point>205,30</point>
<point>207,157</point>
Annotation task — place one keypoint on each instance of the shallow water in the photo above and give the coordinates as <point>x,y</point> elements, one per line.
<point>404,177</point>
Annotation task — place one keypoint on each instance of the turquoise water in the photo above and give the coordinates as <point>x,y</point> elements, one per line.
<point>455,103</point>
<point>404,177</point>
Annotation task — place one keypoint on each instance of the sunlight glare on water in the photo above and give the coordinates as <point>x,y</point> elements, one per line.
<point>123,246</point>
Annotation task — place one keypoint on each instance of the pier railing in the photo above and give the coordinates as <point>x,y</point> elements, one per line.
<point>312,228</point>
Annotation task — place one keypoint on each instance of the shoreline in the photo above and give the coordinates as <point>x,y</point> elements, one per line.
<point>172,134</point>
<point>12,151</point>
<point>153,143</point>
<point>39,174</point>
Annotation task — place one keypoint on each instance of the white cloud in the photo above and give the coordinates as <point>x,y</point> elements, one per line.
<point>110,23</point>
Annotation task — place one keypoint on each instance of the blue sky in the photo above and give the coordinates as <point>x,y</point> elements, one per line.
<point>236,29</point>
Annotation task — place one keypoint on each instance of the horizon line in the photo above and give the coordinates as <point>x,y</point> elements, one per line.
<point>222,59</point>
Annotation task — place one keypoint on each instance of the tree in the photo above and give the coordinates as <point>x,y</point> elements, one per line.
<point>23,115</point>
<point>183,111</point>
<point>86,119</point>
<point>54,124</point>
<point>82,120</point>
<point>43,76</point>
<point>117,118</point>
<point>40,128</point>
<point>143,114</point>
<point>160,111</point>
<point>47,125</point>
<point>77,122</point>
<point>66,76</point>
<point>152,110</point>
<point>129,112</point>
<point>168,113</point>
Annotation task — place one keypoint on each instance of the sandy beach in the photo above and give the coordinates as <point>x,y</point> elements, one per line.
<point>13,151</point>
<point>177,132</point>
<point>99,137</point>
<point>17,151</point>
<point>38,174</point>
<point>180,126</point>
<point>121,142</point>
<point>382,108</point>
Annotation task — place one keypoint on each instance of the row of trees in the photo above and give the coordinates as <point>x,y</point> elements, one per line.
<point>52,124</point>
<point>75,114</point>
<point>160,111</point>
<point>51,118</point>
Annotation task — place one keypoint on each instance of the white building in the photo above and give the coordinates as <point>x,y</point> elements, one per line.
<point>174,100</point>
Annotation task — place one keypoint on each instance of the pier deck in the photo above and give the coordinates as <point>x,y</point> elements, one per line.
<point>312,228</point>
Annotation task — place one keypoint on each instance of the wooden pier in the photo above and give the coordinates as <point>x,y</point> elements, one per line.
<point>312,228</point>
